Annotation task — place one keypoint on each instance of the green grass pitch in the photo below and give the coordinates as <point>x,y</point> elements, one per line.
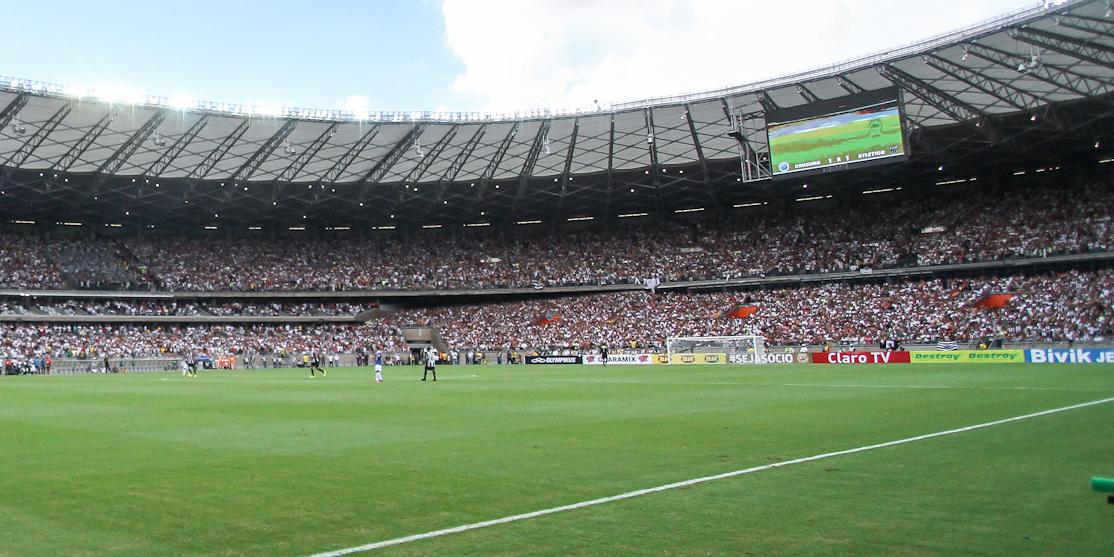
<point>848,140</point>
<point>272,463</point>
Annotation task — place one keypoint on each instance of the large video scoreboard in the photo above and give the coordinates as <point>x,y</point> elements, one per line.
<point>860,130</point>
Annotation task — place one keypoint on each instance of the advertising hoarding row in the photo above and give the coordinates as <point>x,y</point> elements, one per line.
<point>1035,356</point>
<point>1070,356</point>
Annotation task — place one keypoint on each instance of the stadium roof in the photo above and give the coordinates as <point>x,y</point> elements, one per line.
<point>988,95</point>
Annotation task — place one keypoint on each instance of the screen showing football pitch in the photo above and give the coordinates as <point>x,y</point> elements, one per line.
<point>832,135</point>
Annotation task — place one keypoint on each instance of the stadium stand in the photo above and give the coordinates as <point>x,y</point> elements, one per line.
<point>903,231</point>
<point>1060,307</point>
<point>1066,306</point>
<point>197,231</point>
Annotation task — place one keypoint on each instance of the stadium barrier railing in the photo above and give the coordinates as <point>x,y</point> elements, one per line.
<point>73,366</point>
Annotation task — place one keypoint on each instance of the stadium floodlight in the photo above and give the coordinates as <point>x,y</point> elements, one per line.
<point>1032,65</point>
<point>118,95</point>
<point>181,102</point>
<point>75,91</point>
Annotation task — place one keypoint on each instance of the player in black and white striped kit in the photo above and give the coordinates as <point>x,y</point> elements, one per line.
<point>430,357</point>
<point>191,364</point>
<point>315,365</point>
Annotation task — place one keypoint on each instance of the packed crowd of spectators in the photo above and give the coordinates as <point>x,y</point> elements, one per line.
<point>96,341</point>
<point>803,238</point>
<point>88,307</point>
<point>23,264</point>
<point>1067,306</point>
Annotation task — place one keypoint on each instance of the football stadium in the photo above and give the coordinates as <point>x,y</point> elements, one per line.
<point>861,309</point>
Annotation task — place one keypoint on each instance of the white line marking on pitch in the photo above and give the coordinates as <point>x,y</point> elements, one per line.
<point>686,483</point>
<point>965,388</point>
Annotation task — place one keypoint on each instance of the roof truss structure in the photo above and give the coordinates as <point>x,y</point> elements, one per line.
<point>1032,85</point>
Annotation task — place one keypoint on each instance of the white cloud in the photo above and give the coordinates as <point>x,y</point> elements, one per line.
<point>562,53</point>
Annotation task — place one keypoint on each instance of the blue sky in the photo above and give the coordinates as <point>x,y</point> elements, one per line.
<point>449,54</point>
<point>311,54</point>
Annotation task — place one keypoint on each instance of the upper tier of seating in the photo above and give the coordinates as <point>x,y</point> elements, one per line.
<point>800,238</point>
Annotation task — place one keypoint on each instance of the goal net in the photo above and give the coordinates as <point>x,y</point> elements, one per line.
<point>732,349</point>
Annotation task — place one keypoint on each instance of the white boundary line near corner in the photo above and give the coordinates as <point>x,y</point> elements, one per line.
<point>694,481</point>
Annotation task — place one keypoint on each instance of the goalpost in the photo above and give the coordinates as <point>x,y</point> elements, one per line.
<point>730,346</point>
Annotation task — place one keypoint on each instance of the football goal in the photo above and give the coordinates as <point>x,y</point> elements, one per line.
<point>754,346</point>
